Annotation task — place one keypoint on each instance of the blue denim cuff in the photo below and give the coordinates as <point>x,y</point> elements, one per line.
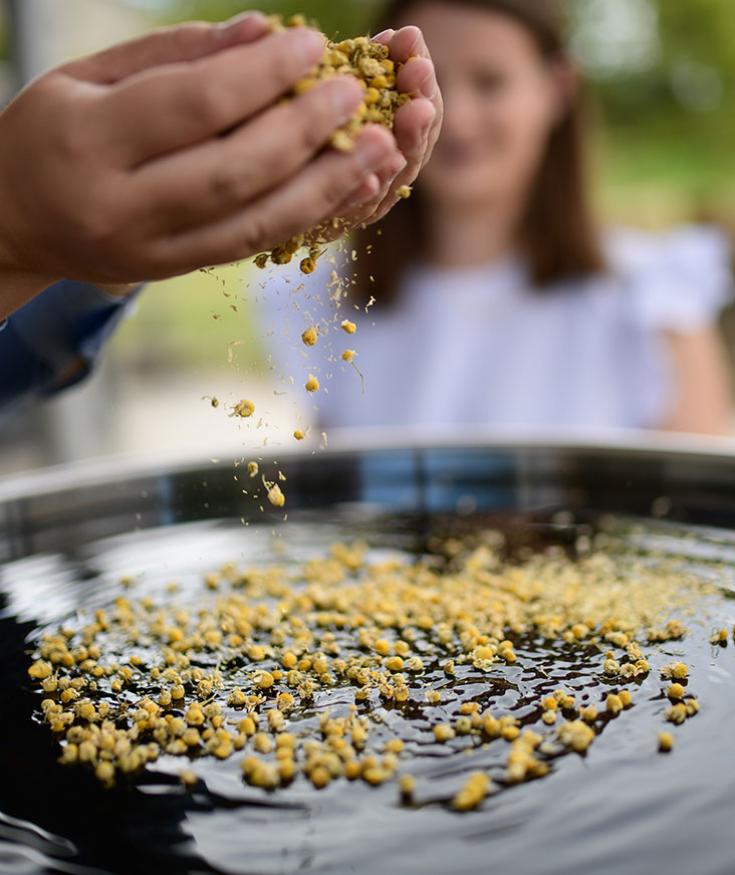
<point>68,322</point>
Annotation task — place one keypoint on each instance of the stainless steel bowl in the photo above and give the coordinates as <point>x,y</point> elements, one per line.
<point>63,532</point>
<point>684,479</point>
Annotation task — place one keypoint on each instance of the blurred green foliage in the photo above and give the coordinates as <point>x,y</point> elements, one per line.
<point>195,321</point>
<point>670,126</point>
<point>4,33</point>
<point>346,17</point>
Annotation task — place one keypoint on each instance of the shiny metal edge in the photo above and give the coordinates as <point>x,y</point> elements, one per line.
<point>662,446</point>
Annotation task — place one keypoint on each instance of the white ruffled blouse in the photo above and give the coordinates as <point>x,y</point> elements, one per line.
<point>479,346</point>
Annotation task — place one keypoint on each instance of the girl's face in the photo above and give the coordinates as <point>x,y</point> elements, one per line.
<point>502,100</point>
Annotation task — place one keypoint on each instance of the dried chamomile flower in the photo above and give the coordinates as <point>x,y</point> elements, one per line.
<point>308,265</point>
<point>588,713</point>
<point>188,778</point>
<point>40,670</point>
<point>276,496</point>
<point>243,409</point>
<point>443,732</point>
<point>310,336</point>
<point>312,384</point>
<point>677,713</point>
<point>407,787</point>
<point>370,64</point>
<point>576,735</point>
<point>677,670</point>
<point>472,794</point>
<point>348,327</point>
<point>261,647</point>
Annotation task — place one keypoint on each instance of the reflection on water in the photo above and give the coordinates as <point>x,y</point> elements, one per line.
<point>620,808</point>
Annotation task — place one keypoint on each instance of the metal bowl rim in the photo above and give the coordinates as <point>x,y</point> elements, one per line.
<point>613,443</point>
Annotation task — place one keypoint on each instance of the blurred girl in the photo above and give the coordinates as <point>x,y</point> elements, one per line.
<point>499,302</point>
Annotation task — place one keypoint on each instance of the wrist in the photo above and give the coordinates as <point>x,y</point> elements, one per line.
<point>117,290</point>
<point>18,287</point>
<point>18,284</point>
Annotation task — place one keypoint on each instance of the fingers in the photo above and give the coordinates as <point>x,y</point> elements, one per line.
<point>176,105</point>
<point>365,204</point>
<point>170,45</point>
<point>408,42</point>
<point>306,201</point>
<point>412,129</point>
<point>418,123</point>
<point>365,194</point>
<point>417,75</point>
<point>213,180</point>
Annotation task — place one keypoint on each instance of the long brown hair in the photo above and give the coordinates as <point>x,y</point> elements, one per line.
<point>557,235</point>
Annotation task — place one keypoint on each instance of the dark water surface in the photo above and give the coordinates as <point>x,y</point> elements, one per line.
<point>622,808</point>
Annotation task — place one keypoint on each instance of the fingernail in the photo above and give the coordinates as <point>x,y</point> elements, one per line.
<point>384,34</point>
<point>360,200</point>
<point>371,151</point>
<point>234,23</point>
<point>427,86</point>
<point>308,44</point>
<point>346,94</point>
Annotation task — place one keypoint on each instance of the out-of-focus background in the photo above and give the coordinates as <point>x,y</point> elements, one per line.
<point>663,74</point>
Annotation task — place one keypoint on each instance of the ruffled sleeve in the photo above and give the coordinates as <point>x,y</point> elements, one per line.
<point>677,281</point>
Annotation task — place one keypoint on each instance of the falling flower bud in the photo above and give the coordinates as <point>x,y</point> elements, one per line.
<point>310,336</point>
<point>243,409</point>
<point>275,496</point>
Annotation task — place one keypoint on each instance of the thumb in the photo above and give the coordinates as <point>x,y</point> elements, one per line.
<point>168,45</point>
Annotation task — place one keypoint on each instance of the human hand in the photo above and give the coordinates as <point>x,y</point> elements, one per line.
<point>416,128</point>
<point>173,152</point>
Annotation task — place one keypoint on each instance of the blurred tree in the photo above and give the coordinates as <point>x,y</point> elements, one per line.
<point>4,48</point>
<point>689,64</point>
<point>664,75</point>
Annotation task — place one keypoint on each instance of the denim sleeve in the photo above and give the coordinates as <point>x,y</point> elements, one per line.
<point>53,341</point>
